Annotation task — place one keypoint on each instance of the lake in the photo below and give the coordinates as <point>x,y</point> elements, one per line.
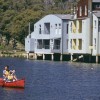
<point>52,80</point>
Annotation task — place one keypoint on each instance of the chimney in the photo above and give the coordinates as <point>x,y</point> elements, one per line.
<point>89,6</point>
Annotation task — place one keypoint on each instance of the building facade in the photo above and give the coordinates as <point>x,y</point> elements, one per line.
<point>50,35</point>
<point>96,29</point>
<point>77,33</point>
<point>84,29</point>
<point>79,30</point>
<point>96,33</point>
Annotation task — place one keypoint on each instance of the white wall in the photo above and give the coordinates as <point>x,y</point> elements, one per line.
<point>84,36</point>
<point>96,36</point>
<point>29,45</point>
<point>52,19</point>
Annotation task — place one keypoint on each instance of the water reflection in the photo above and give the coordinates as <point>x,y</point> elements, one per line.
<point>13,89</point>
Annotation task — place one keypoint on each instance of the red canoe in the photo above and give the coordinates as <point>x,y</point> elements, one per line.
<point>16,84</point>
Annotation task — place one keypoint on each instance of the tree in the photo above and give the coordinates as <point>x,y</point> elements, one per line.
<point>16,14</point>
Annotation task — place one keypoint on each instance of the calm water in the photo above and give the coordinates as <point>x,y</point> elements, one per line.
<point>47,80</point>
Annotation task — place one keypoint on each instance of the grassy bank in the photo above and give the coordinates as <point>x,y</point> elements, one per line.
<point>13,53</point>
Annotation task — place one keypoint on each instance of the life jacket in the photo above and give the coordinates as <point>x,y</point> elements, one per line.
<point>7,73</point>
<point>10,77</point>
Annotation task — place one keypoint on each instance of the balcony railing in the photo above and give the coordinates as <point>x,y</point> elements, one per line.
<point>56,46</point>
<point>46,46</point>
<point>79,30</point>
<point>74,47</point>
<point>74,30</point>
<point>39,47</point>
<point>43,47</point>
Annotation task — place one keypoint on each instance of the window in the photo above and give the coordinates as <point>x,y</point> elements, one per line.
<point>55,26</point>
<point>46,28</point>
<point>59,30</point>
<point>99,23</point>
<point>40,29</point>
<point>59,26</point>
<point>80,26</point>
<point>71,43</point>
<point>67,28</point>
<point>46,44</point>
<point>98,6</point>
<point>57,44</point>
<point>85,10</point>
<point>74,44</point>
<point>80,11</point>
<point>71,27</point>
<point>80,44</point>
<point>56,30</point>
<point>94,23</point>
<point>39,44</point>
<point>95,43</point>
<point>99,26</point>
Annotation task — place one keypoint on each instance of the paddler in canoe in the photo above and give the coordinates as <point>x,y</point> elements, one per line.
<point>9,75</point>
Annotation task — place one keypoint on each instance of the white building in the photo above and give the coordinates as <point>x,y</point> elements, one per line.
<point>96,33</point>
<point>84,29</point>
<point>50,35</point>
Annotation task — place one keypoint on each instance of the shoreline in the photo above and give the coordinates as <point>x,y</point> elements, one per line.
<point>13,53</point>
<point>31,56</point>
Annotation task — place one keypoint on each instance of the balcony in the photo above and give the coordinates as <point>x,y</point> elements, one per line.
<point>74,47</point>
<point>46,46</point>
<point>74,30</point>
<point>80,30</point>
<point>43,44</point>
<point>57,47</point>
<point>43,47</point>
<point>39,47</point>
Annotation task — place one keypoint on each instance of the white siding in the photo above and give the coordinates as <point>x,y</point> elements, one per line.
<point>29,44</point>
<point>84,36</point>
<point>96,36</point>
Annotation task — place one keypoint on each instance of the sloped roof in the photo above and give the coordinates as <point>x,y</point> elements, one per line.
<point>96,1</point>
<point>97,13</point>
<point>63,16</point>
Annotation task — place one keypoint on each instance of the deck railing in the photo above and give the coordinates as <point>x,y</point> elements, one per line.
<point>43,47</point>
<point>46,46</point>
<point>56,46</point>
